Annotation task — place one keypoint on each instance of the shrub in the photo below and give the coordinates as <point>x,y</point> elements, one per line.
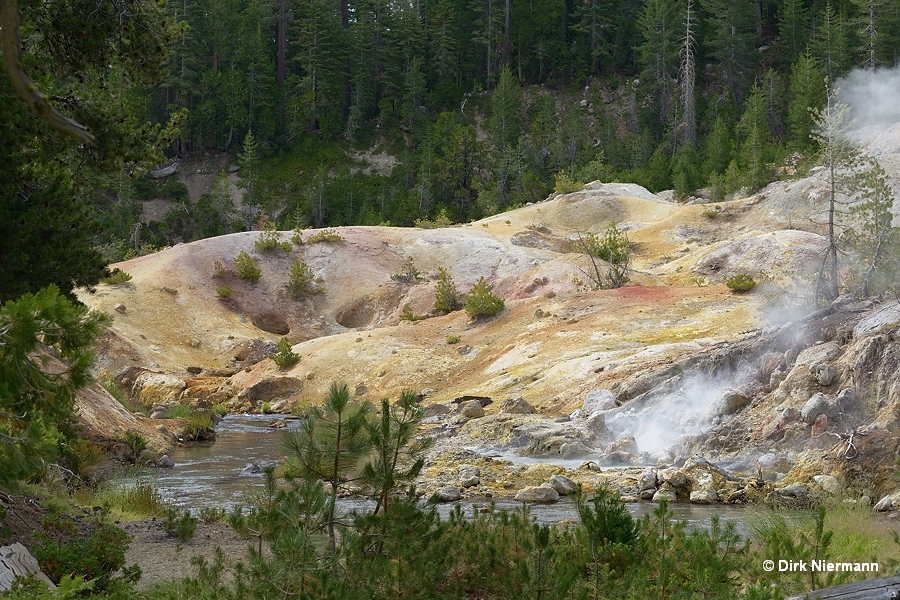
<point>266,408</point>
<point>409,273</point>
<point>441,220</point>
<point>330,236</point>
<point>407,314</point>
<point>285,357</point>
<point>135,441</point>
<point>247,267</point>
<point>481,302</point>
<point>740,283</point>
<point>269,239</point>
<point>218,270</point>
<point>117,277</point>
<point>453,339</point>
<point>446,296</point>
<point>302,281</point>
<point>220,409</point>
<point>181,527</point>
<point>224,292</point>
<point>566,185</point>
<point>614,247</point>
<point>210,514</point>
<point>97,555</point>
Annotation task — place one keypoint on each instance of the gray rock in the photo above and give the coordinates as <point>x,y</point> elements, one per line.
<point>704,490</point>
<point>666,492</point>
<point>120,308</point>
<point>819,405</point>
<point>517,405</point>
<point>884,505</point>
<point>251,470</point>
<point>673,476</point>
<point>563,485</point>
<point>795,495</point>
<point>648,494</point>
<point>471,409</point>
<point>824,373</point>
<point>165,462</point>
<point>846,399</point>
<point>540,494</point>
<point>731,401</point>
<point>647,480</point>
<point>449,493</point>
<point>572,449</point>
<point>159,413</point>
<point>598,400</point>
<point>469,475</point>
<point>828,483</point>
<point>436,409</point>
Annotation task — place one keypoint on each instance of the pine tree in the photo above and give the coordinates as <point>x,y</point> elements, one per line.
<point>756,150</point>
<point>732,42</point>
<point>806,91</point>
<point>838,152</point>
<point>658,58</point>
<point>876,240</point>
<point>831,45</point>
<point>793,30</point>
<point>687,77</point>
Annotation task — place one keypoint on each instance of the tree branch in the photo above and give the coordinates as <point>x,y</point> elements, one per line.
<point>26,88</point>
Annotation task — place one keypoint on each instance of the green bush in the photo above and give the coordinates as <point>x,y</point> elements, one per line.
<point>98,555</point>
<point>224,292</point>
<point>441,220</point>
<point>453,339</point>
<point>285,357</point>
<point>330,236</point>
<point>409,273</point>
<point>302,280</point>
<point>135,441</point>
<point>741,283</point>
<point>446,296</point>
<point>211,514</point>
<point>220,409</point>
<point>180,526</point>
<point>407,314</point>
<point>566,185</point>
<point>116,277</point>
<point>481,302</point>
<point>247,267</point>
<point>218,270</point>
<point>269,239</point>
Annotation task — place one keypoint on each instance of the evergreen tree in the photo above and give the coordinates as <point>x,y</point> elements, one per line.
<point>837,152</point>
<point>756,151</point>
<point>732,42</point>
<point>876,240</point>
<point>831,44</point>
<point>793,30</point>
<point>37,396</point>
<point>659,25</point>
<point>806,91</point>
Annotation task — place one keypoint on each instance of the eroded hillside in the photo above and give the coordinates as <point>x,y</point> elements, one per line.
<point>672,364</point>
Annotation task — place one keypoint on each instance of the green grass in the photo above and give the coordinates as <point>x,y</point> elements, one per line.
<point>139,500</point>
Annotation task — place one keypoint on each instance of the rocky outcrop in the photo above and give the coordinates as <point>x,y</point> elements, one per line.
<point>539,494</point>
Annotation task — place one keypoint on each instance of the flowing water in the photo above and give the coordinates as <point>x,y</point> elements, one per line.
<point>210,474</point>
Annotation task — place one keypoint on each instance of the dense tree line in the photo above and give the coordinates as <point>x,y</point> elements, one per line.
<point>485,102</point>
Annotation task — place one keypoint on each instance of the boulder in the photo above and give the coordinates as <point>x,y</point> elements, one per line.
<point>271,389</point>
<point>157,388</point>
<point>165,462</point>
<point>704,490</point>
<point>517,405</point>
<point>471,409</point>
<point>563,485</point>
<point>251,470</point>
<point>448,493</point>
<point>829,483</point>
<point>647,480</point>
<point>824,373</point>
<point>885,504</point>
<point>676,478</point>
<point>819,404</point>
<point>540,494</point>
<point>469,475</point>
<point>731,401</point>
<point>597,400</point>
<point>573,449</point>
<point>665,492</point>
<point>795,495</point>
<point>623,450</point>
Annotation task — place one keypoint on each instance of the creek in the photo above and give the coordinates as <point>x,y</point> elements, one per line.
<point>209,475</point>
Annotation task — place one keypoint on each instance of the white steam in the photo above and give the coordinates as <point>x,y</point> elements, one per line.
<point>661,421</point>
<point>874,101</point>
